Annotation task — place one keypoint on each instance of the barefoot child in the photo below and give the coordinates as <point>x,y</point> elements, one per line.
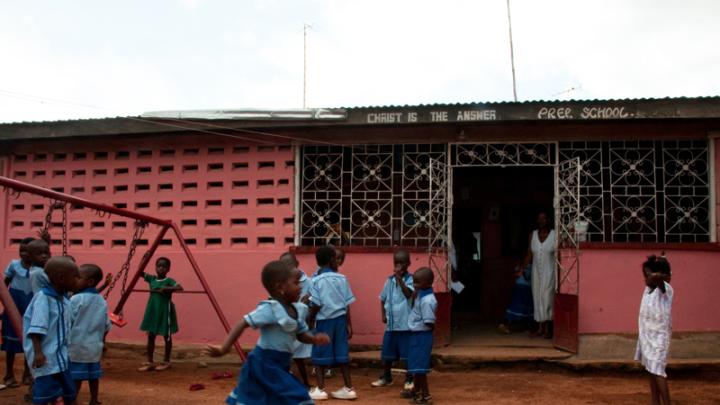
<point>265,376</point>
<point>421,323</point>
<point>302,350</point>
<point>655,326</point>
<point>17,279</point>
<point>45,325</point>
<point>330,297</point>
<point>395,309</point>
<point>160,317</point>
<point>89,328</point>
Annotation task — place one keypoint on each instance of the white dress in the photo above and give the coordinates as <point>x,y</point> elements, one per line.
<point>655,329</point>
<point>544,275</point>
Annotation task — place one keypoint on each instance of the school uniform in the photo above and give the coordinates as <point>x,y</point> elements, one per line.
<point>331,292</point>
<point>265,376</point>
<point>421,335</point>
<point>160,317</point>
<point>49,315</point>
<point>21,292</point>
<point>397,310</point>
<point>38,279</point>
<point>90,323</point>
<point>655,329</point>
<point>303,350</point>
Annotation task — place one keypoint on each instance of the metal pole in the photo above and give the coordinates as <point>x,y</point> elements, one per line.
<point>206,287</point>
<point>141,269</point>
<point>33,189</point>
<point>298,197</point>
<point>305,26</point>
<point>512,52</point>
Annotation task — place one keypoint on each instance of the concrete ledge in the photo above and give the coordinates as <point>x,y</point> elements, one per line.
<point>700,345</point>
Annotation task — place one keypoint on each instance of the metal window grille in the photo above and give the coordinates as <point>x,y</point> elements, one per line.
<point>367,195</point>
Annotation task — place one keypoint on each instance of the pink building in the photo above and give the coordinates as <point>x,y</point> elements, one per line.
<point>468,179</point>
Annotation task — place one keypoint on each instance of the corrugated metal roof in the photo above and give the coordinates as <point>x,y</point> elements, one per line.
<point>391,106</point>
<point>527,102</point>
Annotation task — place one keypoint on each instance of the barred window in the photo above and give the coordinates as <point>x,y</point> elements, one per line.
<point>367,195</point>
<point>644,191</point>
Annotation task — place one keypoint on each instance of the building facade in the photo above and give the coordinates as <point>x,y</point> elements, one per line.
<point>457,185</point>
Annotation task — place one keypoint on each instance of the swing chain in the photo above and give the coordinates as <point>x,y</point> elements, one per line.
<point>125,269</point>
<point>64,230</point>
<point>48,218</point>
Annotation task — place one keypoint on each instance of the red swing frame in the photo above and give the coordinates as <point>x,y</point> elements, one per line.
<point>165,226</point>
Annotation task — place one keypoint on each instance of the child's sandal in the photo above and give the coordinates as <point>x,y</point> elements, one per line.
<point>162,367</point>
<point>147,367</point>
<point>11,383</point>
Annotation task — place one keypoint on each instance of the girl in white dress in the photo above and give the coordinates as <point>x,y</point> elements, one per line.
<point>655,326</point>
<point>541,251</point>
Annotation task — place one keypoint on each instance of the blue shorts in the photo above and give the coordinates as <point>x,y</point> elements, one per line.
<point>265,379</point>
<point>419,351</point>
<point>85,371</point>
<point>48,388</point>
<point>337,352</point>
<point>395,345</point>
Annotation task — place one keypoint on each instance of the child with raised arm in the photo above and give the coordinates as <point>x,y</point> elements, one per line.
<point>17,279</point>
<point>330,298</point>
<point>160,317</point>
<point>302,350</point>
<point>89,327</point>
<point>421,323</point>
<point>395,309</point>
<point>655,326</point>
<point>265,377</point>
<point>46,324</point>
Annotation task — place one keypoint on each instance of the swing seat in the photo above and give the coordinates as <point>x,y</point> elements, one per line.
<point>117,320</point>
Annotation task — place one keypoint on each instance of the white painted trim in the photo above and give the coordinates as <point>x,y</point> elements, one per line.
<point>712,138</point>
<point>298,194</point>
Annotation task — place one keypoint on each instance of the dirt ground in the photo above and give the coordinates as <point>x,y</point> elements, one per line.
<point>535,384</point>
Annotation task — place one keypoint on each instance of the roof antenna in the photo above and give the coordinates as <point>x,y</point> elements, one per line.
<point>305,28</point>
<point>512,53</point>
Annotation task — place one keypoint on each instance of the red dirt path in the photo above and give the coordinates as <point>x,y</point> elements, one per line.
<point>122,385</point>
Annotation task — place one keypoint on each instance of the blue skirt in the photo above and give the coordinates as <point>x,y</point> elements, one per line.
<point>265,379</point>
<point>10,341</point>
<point>521,305</point>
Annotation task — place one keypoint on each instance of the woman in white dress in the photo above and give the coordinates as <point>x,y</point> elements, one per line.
<point>541,251</point>
<point>655,326</point>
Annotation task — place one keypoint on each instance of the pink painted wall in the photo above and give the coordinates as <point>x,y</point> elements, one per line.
<point>366,273</point>
<point>611,286</point>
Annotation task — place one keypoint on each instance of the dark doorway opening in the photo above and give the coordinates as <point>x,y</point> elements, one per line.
<point>501,205</point>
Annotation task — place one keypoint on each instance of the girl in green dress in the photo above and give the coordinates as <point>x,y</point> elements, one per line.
<point>160,318</point>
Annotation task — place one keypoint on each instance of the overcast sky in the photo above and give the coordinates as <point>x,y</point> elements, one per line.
<point>89,58</point>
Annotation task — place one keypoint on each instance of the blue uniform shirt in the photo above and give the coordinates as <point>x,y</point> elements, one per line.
<point>397,307</point>
<point>423,311</point>
<point>19,276</point>
<point>278,330</point>
<point>305,283</point>
<point>90,323</point>
<point>38,279</point>
<point>331,292</point>
<point>49,315</point>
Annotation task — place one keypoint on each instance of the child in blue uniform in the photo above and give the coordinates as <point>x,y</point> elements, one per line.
<point>39,252</point>
<point>89,328</point>
<point>330,297</point>
<point>46,325</point>
<point>302,350</point>
<point>394,309</point>
<point>265,377</point>
<point>421,323</point>
<point>17,279</point>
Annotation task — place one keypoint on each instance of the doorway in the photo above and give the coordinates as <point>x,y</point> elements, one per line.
<point>494,212</point>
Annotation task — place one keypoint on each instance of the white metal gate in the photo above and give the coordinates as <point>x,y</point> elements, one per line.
<point>439,219</point>
<point>569,228</point>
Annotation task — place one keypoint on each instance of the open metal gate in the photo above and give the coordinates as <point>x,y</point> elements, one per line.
<point>438,219</point>
<point>568,229</point>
